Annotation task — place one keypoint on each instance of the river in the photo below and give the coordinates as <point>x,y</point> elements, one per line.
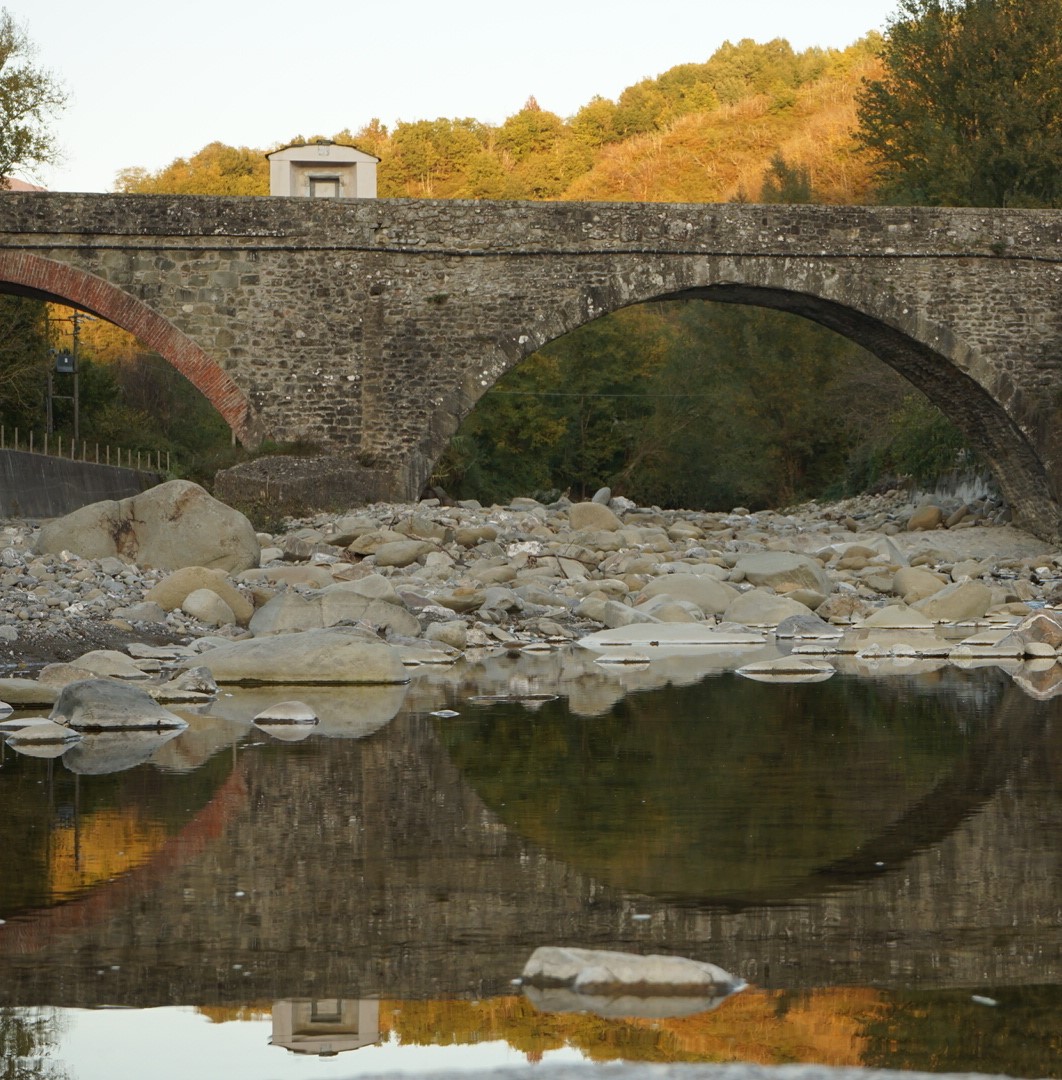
<point>879,856</point>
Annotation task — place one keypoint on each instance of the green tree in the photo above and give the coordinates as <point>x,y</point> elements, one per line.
<point>29,98</point>
<point>25,353</point>
<point>785,183</point>
<point>968,110</point>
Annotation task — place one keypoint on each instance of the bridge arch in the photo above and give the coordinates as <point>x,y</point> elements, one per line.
<point>954,375</point>
<point>55,282</point>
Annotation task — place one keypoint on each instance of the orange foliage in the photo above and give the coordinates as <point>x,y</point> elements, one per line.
<point>102,846</point>
<point>767,1027</point>
<point>722,154</point>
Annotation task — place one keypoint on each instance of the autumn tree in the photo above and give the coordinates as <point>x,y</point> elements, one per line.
<point>968,110</point>
<point>29,98</point>
<point>217,169</point>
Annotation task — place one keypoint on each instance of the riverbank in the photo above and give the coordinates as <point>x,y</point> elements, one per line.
<point>466,577</point>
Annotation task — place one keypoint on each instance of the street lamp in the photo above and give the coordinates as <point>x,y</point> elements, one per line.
<point>66,364</point>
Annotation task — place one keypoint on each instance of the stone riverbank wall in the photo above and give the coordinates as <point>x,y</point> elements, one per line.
<point>41,486</point>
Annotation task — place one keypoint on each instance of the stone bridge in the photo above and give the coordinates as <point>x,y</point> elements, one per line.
<point>372,327</point>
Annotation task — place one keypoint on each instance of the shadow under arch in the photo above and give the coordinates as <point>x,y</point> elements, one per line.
<point>24,274</point>
<point>951,375</point>
<point>954,376</point>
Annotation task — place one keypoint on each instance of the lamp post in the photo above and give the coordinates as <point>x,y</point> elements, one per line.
<point>66,364</point>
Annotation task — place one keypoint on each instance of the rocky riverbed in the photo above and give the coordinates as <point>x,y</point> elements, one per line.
<point>874,576</point>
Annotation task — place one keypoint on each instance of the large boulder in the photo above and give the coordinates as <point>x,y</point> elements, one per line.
<point>172,591</point>
<point>335,604</point>
<point>107,705</point>
<point>1041,626</point>
<point>784,571</point>
<point>335,656</point>
<point>711,596</point>
<point>593,516</point>
<point>912,583</point>
<point>925,519</point>
<point>760,607</point>
<point>954,603</point>
<point>167,527</point>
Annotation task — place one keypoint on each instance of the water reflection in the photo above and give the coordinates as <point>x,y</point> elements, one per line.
<point>882,837</point>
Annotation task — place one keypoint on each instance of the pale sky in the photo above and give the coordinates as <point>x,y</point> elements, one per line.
<point>151,82</point>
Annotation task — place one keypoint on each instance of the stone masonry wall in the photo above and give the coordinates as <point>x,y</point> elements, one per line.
<point>372,327</point>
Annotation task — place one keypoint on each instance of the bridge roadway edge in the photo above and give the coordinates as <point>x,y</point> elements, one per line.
<point>372,327</point>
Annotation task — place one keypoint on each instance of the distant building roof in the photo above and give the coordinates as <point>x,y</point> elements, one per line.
<point>312,150</point>
<point>14,184</point>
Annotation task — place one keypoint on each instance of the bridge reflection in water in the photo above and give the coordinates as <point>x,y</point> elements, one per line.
<point>903,835</point>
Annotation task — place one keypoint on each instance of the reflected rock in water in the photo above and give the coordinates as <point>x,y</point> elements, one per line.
<point>199,742</point>
<point>289,721</point>
<point>616,984</point>
<point>1040,679</point>
<point>43,738</point>
<point>562,999</point>
<point>886,666</point>
<point>114,751</point>
<point>343,712</point>
<point>787,669</point>
<point>529,701</point>
<point>105,705</point>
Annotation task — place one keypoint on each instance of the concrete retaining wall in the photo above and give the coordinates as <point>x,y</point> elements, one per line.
<point>40,486</point>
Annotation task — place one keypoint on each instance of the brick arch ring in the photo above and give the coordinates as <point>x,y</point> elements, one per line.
<point>60,283</point>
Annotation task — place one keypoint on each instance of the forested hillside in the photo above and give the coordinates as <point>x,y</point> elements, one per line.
<point>697,133</point>
<point>690,403</point>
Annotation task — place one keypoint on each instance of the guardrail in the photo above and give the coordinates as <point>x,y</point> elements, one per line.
<point>52,444</point>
